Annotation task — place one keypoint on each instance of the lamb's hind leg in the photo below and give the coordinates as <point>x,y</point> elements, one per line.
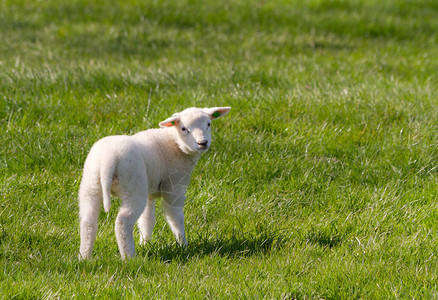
<point>89,206</point>
<point>128,215</point>
<point>133,190</point>
<point>146,222</point>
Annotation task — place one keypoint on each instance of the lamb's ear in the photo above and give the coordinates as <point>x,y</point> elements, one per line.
<point>169,122</point>
<point>217,112</point>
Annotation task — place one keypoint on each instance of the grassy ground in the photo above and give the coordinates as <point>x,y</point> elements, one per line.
<point>321,183</point>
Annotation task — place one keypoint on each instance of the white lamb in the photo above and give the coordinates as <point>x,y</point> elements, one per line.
<point>140,168</point>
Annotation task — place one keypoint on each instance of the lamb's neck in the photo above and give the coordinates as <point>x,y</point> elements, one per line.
<point>183,154</point>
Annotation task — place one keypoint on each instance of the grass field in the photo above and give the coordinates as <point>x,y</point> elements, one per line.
<point>321,183</point>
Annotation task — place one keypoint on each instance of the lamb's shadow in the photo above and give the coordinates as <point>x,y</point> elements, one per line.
<point>233,246</point>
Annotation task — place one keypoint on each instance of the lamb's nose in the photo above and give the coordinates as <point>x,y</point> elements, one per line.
<point>203,143</point>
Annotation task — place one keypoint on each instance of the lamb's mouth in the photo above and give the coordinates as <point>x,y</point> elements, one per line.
<point>203,148</point>
<point>203,145</point>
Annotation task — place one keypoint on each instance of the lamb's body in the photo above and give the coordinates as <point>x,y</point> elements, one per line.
<point>138,169</point>
<point>149,158</point>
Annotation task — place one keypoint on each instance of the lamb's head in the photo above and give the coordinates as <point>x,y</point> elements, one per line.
<point>193,129</point>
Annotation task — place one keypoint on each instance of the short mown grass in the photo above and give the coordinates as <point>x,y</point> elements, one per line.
<point>321,183</point>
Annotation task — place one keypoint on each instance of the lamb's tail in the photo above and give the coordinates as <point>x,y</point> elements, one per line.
<point>107,170</point>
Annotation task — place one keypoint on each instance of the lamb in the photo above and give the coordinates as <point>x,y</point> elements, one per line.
<point>139,169</point>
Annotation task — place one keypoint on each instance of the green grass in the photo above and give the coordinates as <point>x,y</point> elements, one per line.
<point>321,183</point>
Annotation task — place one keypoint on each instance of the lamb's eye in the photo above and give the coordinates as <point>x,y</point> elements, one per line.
<point>183,128</point>
<point>208,125</point>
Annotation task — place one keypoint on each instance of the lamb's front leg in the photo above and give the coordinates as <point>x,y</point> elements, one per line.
<point>146,222</point>
<point>173,209</point>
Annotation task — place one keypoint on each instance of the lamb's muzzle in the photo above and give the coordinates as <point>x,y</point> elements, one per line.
<point>203,145</point>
